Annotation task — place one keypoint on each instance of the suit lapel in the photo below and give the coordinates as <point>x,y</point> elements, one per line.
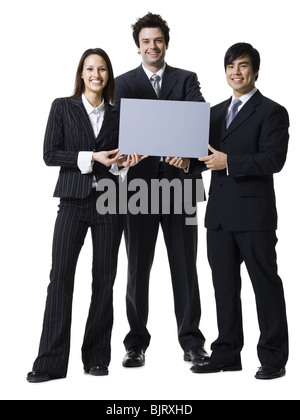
<point>109,123</point>
<point>82,117</point>
<point>169,80</point>
<point>220,113</point>
<point>243,115</point>
<point>143,85</point>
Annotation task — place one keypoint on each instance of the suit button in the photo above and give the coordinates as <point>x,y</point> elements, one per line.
<point>220,185</point>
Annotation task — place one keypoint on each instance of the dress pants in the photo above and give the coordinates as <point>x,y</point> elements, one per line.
<point>141,232</point>
<point>74,218</point>
<point>226,251</point>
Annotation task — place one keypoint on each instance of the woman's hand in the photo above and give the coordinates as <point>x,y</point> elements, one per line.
<point>127,161</point>
<point>107,158</point>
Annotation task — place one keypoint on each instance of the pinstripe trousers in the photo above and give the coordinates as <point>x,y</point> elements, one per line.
<point>74,218</point>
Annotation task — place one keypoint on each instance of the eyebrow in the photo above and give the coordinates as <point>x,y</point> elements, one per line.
<point>92,65</point>
<point>242,62</point>
<point>159,38</point>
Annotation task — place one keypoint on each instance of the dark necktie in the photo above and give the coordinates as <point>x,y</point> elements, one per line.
<point>233,111</point>
<point>155,83</point>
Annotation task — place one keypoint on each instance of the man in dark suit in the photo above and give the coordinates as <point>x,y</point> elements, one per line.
<point>241,217</point>
<point>151,35</point>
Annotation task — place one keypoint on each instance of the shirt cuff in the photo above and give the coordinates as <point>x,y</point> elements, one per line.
<point>84,162</point>
<point>114,169</point>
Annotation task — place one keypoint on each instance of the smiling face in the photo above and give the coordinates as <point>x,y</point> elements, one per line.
<point>152,48</point>
<point>240,76</point>
<point>95,75</point>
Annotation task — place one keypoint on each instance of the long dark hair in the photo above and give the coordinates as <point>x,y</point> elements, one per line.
<point>109,91</point>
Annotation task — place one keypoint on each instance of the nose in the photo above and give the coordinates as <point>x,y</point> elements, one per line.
<point>96,73</point>
<point>236,70</point>
<point>152,44</point>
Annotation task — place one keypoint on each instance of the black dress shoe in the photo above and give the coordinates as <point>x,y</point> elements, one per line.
<point>134,357</point>
<point>196,355</point>
<point>269,372</point>
<point>37,376</point>
<point>97,371</point>
<point>212,367</point>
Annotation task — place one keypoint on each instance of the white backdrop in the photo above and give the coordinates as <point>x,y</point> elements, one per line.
<point>41,44</point>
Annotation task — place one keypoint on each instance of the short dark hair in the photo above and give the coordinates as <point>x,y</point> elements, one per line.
<point>109,91</point>
<point>150,21</point>
<point>239,50</point>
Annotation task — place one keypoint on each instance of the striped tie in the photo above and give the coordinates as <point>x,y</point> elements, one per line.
<point>155,83</point>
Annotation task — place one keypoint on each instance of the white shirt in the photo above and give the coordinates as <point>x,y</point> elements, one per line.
<point>84,160</point>
<point>245,98</point>
<point>96,117</point>
<point>159,73</point>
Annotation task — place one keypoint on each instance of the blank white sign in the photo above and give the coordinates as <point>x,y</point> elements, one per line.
<point>164,128</point>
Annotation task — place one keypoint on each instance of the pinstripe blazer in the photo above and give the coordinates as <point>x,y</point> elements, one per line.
<point>68,132</point>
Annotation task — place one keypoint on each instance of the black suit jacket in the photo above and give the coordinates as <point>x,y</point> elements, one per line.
<point>68,132</point>
<point>256,143</point>
<point>177,85</point>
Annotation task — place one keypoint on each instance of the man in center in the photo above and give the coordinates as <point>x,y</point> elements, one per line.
<point>154,79</point>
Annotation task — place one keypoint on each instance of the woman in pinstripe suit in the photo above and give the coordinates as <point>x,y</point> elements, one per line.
<point>82,137</point>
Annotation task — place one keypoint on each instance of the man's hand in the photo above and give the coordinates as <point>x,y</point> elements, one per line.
<point>216,161</point>
<point>181,163</point>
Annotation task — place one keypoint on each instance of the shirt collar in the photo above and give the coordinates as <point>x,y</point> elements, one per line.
<point>245,97</point>
<point>89,108</point>
<point>149,73</point>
